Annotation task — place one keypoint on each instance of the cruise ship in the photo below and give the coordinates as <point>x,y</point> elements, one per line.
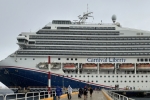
<point>78,53</point>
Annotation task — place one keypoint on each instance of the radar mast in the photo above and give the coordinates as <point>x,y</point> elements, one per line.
<point>85,16</point>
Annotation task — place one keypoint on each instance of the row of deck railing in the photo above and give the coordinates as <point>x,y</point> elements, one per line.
<point>116,96</point>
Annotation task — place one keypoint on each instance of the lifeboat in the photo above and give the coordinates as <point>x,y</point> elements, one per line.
<point>126,66</point>
<point>69,66</point>
<point>106,66</point>
<point>42,65</point>
<point>89,66</point>
<point>143,66</point>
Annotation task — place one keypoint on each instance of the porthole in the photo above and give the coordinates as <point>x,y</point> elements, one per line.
<point>141,60</point>
<point>100,76</point>
<point>25,59</point>
<point>33,58</point>
<point>133,81</point>
<point>137,60</point>
<point>67,58</point>
<point>58,58</point>
<point>146,60</point>
<point>104,81</point>
<point>75,58</point>
<point>71,58</point>
<point>20,58</point>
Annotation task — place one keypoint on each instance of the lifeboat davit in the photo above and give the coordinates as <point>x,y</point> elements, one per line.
<point>69,66</point>
<point>106,66</point>
<point>143,67</point>
<point>89,66</point>
<point>126,66</point>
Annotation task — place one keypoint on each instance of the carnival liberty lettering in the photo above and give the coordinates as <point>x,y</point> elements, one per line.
<point>106,60</point>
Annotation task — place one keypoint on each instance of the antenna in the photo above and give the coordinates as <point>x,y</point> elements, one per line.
<point>87,8</point>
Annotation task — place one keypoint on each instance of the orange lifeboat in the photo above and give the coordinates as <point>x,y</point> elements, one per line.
<point>128,66</point>
<point>89,66</point>
<point>70,66</point>
<point>143,66</point>
<point>106,66</point>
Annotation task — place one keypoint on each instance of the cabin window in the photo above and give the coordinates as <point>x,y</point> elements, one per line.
<point>71,58</point>
<point>75,58</point>
<point>146,60</point>
<point>137,60</point>
<point>133,81</point>
<point>67,58</point>
<point>58,58</point>
<point>141,60</point>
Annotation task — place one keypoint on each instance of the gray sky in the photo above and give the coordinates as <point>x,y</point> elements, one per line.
<point>18,16</point>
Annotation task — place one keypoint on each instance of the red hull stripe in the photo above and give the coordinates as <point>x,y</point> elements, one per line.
<point>49,59</point>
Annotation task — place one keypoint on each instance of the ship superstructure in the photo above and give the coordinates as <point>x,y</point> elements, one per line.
<point>101,55</point>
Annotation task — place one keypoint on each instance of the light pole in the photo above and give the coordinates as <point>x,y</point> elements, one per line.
<point>49,76</point>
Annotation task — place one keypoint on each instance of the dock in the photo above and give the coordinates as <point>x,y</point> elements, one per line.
<point>97,95</point>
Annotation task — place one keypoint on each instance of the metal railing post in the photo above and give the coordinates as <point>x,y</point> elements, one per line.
<point>33,96</point>
<point>39,96</point>
<point>16,96</point>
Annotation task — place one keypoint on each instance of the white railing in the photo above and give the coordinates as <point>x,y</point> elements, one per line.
<point>116,96</point>
<point>1,96</point>
<point>29,95</point>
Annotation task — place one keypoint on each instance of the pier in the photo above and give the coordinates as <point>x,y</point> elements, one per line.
<point>97,95</point>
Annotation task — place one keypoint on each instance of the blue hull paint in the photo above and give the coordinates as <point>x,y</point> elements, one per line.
<point>25,78</point>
